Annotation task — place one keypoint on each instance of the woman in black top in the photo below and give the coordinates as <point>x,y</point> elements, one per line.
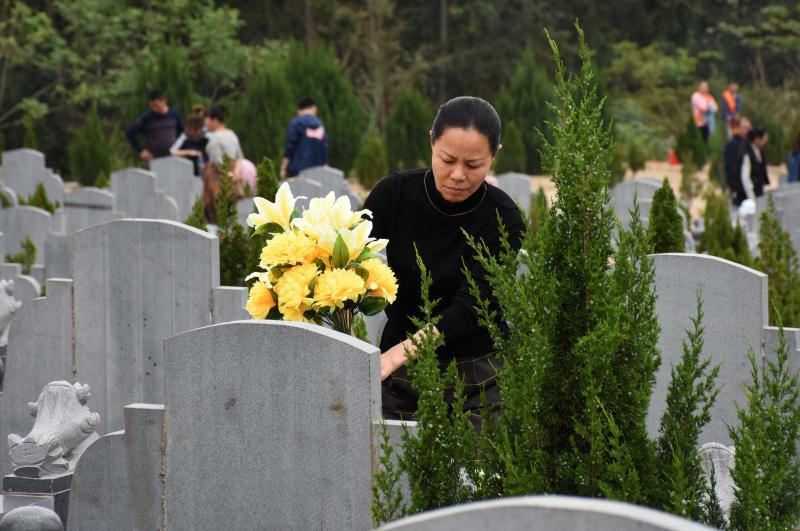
<point>753,166</point>
<point>431,208</point>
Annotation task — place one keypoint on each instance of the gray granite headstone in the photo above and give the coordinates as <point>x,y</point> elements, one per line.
<point>735,307</point>
<point>84,207</point>
<point>722,459</point>
<point>244,207</point>
<point>136,282</point>
<point>23,169</point>
<point>269,426</point>
<point>307,188</point>
<point>137,195</point>
<point>546,513</point>
<point>175,176</point>
<point>26,288</point>
<point>20,222</point>
<point>229,304</point>
<point>787,203</point>
<point>518,187</point>
<point>330,179</point>
<point>31,518</point>
<point>58,256</point>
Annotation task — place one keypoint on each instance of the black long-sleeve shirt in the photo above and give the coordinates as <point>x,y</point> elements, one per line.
<point>407,209</point>
<point>159,130</point>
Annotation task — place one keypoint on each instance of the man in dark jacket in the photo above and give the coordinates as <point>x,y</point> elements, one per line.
<point>306,141</point>
<point>732,156</point>
<point>160,126</point>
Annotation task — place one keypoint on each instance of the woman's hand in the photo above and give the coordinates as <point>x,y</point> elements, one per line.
<point>392,359</point>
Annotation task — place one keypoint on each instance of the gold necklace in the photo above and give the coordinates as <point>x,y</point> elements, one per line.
<point>425,184</point>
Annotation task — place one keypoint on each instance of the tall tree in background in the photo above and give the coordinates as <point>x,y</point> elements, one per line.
<point>407,131</point>
<point>89,155</point>
<point>524,102</point>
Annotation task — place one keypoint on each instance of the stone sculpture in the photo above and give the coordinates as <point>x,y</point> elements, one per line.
<point>63,429</point>
<point>8,307</point>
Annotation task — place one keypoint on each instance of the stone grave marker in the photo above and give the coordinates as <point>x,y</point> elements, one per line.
<point>306,187</point>
<point>136,195</point>
<point>277,416</point>
<point>518,187</point>
<point>735,308</point>
<point>244,207</point>
<point>20,222</point>
<point>175,176</point>
<point>26,288</point>
<point>330,179</point>
<point>84,207</point>
<point>787,204</point>
<point>23,169</point>
<point>722,459</point>
<point>58,256</point>
<point>547,513</point>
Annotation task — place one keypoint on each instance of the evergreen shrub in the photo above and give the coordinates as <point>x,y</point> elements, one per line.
<point>371,164</point>
<point>666,225</point>
<point>407,131</point>
<point>39,199</point>
<point>89,151</point>
<point>512,157</point>
<point>197,217</point>
<point>778,259</point>
<point>233,242</point>
<point>26,257</point>
<point>721,238</point>
<point>690,145</point>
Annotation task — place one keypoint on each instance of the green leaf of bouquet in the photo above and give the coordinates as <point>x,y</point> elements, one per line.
<point>294,215</point>
<point>275,314</point>
<point>360,270</point>
<point>373,305</point>
<point>312,284</point>
<point>366,254</point>
<point>341,254</point>
<point>320,264</point>
<point>267,228</point>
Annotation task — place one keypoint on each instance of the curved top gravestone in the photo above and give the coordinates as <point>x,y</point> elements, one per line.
<point>269,425</point>
<point>518,187</point>
<point>24,169</point>
<point>137,195</point>
<point>175,176</point>
<point>545,513</point>
<point>735,308</point>
<point>84,207</point>
<point>330,179</point>
<point>20,222</point>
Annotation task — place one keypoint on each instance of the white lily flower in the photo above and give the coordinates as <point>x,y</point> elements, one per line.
<point>279,212</point>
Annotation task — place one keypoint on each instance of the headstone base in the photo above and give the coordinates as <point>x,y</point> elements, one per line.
<point>50,492</point>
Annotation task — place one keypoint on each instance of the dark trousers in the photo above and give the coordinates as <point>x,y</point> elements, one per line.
<point>704,133</point>
<point>479,374</point>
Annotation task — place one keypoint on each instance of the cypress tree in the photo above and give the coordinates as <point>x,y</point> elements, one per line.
<point>692,392</point>
<point>233,243</point>
<point>512,157</point>
<point>371,165</point>
<point>197,217</point>
<point>690,144</point>
<point>407,137</point>
<point>266,186</point>
<point>719,237</point>
<point>778,259</point>
<point>766,471</point>
<point>26,257</point>
<point>524,102</point>
<point>316,73</point>
<point>268,96</point>
<point>666,226</point>
<point>89,151</point>
<point>636,156</point>
<point>538,210</point>
<point>39,199</point>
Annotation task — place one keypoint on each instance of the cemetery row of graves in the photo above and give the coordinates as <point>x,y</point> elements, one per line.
<point>663,379</point>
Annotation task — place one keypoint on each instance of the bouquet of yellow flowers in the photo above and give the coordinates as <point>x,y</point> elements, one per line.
<point>319,266</point>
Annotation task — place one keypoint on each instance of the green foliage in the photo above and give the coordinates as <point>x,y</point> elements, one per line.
<point>5,201</point>
<point>690,183</point>
<point>444,442</point>
<point>360,328</point>
<point>102,181</point>
<point>89,151</point>
<point>778,259</point>
<point>538,210</point>
<point>690,145</point>
<point>713,514</point>
<point>716,145</point>
<point>387,497</point>
<point>197,217</point>
<point>266,180</point>
<point>766,474</point>
<point>371,166</point>
<point>720,237</point>
<point>233,242</point>
<point>407,131</point>
<point>512,157</point>
<point>39,200</point>
<point>166,69</point>
<point>316,73</point>
<point>692,392</point>
<point>636,68</point>
<point>636,156</point>
<point>666,226</point>
<point>26,257</point>
<point>268,97</point>
<point>524,102</point>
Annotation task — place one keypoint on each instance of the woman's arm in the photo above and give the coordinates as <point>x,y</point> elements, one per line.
<point>398,355</point>
<point>747,182</point>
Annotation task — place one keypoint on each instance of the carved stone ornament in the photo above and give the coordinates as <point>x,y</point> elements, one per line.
<point>8,307</point>
<point>63,429</point>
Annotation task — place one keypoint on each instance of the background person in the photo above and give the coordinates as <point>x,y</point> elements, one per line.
<point>733,164</point>
<point>703,109</point>
<point>793,161</point>
<point>427,209</point>
<point>160,126</point>
<point>731,107</point>
<point>753,172</point>
<point>306,141</point>
<point>192,144</point>
<point>221,142</point>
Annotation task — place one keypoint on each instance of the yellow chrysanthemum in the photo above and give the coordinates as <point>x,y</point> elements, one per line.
<point>337,286</point>
<point>381,281</point>
<point>295,314</point>
<point>260,301</point>
<point>288,248</point>
<point>292,288</point>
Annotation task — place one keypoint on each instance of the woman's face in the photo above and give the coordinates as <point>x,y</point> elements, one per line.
<point>761,141</point>
<point>461,159</point>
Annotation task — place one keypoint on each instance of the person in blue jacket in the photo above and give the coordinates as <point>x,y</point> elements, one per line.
<point>306,141</point>
<point>793,161</point>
